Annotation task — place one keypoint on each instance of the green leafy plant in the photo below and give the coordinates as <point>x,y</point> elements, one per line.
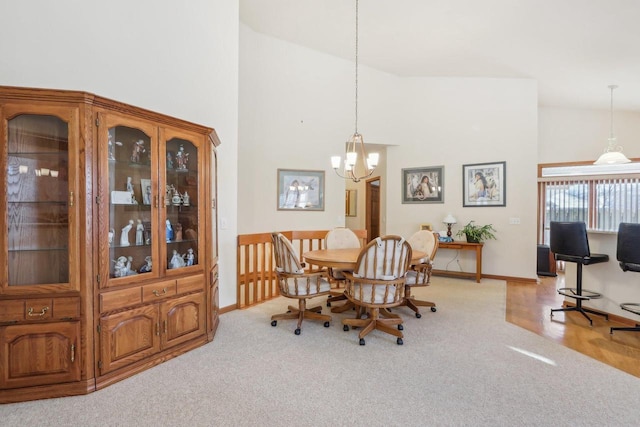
<point>477,233</point>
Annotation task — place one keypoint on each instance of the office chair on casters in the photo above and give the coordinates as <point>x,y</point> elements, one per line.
<point>294,282</point>
<point>569,243</point>
<point>628,254</point>
<point>420,273</point>
<point>378,283</point>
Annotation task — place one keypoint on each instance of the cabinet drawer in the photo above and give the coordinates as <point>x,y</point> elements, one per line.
<point>158,291</point>
<point>39,309</point>
<point>191,284</point>
<point>118,299</point>
<point>26,309</point>
<point>451,246</point>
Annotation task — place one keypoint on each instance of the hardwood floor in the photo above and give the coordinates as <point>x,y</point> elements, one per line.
<point>529,305</point>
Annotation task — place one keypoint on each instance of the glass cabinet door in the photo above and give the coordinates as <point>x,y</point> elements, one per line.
<point>181,203</point>
<point>132,183</point>
<point>213,193</point>
<point>39,210</point>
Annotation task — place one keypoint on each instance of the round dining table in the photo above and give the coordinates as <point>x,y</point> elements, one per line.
<point>344,259</point>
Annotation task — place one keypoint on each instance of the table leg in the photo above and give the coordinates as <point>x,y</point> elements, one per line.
<point>478,263</point>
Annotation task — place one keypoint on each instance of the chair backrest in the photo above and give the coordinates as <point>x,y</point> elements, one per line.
<point>569,238</point>
<point>384,258</point>
<point>628,252</point>
<point>287,259</point>
<point>425,241</point>
<point>341,238</point>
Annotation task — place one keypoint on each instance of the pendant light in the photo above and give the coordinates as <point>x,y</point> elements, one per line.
<point>613,153</point>
<point>357,165</point>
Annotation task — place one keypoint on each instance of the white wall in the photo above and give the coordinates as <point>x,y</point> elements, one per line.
<point>155,54</point>
<point>457,121</point>
<point>297,110</point>
<point>580,135</point>
<point>570,135</point>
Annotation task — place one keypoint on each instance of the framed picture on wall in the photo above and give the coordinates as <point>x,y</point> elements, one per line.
<point>300,190</point>
<point>423,185</point>
<point>484,184</point>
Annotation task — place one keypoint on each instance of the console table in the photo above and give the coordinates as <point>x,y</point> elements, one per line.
<point>463,246</point>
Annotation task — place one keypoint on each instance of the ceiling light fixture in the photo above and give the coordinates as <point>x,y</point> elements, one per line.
<point>353,169</point>
<point>613,153</point>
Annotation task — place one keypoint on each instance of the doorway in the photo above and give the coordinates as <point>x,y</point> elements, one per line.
<point>372,203</point>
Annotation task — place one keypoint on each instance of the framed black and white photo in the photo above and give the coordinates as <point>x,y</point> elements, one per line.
<point>423,185</point>
<point>484,184</point>
<point>301,190</point>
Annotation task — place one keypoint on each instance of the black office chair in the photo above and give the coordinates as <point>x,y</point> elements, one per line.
<point>569,243</point>
<point>628,254</point>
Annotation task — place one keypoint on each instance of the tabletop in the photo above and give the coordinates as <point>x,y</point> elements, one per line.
<point>344,259</point>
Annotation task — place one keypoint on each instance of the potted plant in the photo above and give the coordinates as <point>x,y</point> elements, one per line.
<point>477,233</point>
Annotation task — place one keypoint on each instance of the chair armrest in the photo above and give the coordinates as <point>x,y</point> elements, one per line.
<point>422,274</point>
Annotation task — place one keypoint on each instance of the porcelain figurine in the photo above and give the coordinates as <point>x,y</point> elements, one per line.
<point>124,236</point>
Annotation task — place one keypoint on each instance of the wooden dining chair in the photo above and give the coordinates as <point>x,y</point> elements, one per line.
<point>295,282</point>
<point>378,283</point>
<point>340,238</point>
<point>420,274</point>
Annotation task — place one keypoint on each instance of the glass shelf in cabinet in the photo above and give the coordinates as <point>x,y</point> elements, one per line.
<point>58,249</point>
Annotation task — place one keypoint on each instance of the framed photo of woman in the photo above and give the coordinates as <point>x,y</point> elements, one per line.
<point>484,184</point>
<point>423,185</point>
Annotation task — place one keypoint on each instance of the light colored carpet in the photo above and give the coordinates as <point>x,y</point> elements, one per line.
<point>463,365</point>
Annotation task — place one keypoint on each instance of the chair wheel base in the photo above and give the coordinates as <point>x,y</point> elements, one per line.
<point>400,327</point>
<point>399,341</point>
<point>274,322</point>
<point>297,331</point>
<point>418,315</point>
<point>433,309</point>
<point>345,328</point>
<point>326,324</point>
<point>361,341</point>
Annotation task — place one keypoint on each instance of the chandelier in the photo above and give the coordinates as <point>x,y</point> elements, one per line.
<point>613,153</point>
<point>357,165</point>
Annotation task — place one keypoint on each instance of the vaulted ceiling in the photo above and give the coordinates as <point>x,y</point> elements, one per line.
<point>574,48</point>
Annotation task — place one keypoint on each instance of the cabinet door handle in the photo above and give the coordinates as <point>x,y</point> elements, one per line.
<point>164,326</point>
<point>73,353</point>
<point>158,294</point>
<point>42,312</point>
<point>158,329</point>
<point>71,198</point>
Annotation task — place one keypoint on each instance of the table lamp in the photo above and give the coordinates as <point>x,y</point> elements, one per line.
<point>449,220</point>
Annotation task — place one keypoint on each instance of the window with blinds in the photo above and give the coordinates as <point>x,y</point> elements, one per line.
<point>602,201</point>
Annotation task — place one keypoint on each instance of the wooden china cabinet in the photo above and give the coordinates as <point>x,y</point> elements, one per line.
<point>108,261</point>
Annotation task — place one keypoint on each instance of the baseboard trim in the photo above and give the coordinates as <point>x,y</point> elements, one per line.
<point>228,308</point>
